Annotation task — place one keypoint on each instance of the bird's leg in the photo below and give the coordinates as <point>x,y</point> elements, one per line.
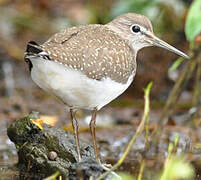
<point>76,132</point>
<point>93,134</point>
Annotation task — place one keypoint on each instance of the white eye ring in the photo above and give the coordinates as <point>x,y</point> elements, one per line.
<point>135,28</point>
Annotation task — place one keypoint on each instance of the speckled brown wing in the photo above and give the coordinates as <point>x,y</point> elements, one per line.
<point>95,50</point>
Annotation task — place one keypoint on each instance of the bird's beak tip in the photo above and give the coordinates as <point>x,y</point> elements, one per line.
<point>187,57</point>
<point>160,43</point>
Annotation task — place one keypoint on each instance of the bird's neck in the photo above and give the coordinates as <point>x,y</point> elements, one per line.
<point>121,34</point>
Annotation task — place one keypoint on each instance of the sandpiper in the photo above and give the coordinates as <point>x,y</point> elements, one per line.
<point>88,66</point>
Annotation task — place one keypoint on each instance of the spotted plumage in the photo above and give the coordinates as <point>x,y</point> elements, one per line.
<point>99,57</point>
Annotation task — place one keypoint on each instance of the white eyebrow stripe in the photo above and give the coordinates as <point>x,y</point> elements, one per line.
<point>147,33</point>
<point>144,31</point>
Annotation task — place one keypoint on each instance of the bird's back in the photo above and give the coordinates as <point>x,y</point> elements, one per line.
<point>95,50</point>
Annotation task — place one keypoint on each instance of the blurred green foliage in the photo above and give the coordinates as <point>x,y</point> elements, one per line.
<point>192,29</point>
<point>177,168</point>
<point>137,6</point>
<point>193,22</point>
<point>23,21</point>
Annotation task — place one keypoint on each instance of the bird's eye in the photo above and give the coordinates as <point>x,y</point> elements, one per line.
<point>135,28</point>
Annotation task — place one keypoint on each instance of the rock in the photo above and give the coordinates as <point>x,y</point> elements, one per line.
<point>42,152</point>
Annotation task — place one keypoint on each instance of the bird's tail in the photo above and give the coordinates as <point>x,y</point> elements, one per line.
<point>32,50</point>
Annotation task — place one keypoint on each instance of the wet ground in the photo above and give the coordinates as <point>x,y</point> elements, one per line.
<point>113,134</point>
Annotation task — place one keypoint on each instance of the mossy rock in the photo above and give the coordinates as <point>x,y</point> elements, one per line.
<point>44,151</point>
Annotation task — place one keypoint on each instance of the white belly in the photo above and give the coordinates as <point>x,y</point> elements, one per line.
<point>73,87</point>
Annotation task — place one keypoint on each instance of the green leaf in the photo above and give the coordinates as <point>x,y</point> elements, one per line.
<point>193,22</point>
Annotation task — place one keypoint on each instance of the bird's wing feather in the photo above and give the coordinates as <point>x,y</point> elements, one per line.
<point>94,49</point>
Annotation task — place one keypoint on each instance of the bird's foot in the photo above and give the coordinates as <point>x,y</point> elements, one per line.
<point>107,167</point>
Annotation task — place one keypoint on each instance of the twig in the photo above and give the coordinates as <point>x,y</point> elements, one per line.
<point>137,133</point>
<point>197,88</point>
<point>164,174</point>
<point>141,170</point>
<point>172,148</point>
<point>181,83</point>
<point>177,89</point>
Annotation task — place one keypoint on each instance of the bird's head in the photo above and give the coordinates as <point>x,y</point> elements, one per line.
<point>137,30</point>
